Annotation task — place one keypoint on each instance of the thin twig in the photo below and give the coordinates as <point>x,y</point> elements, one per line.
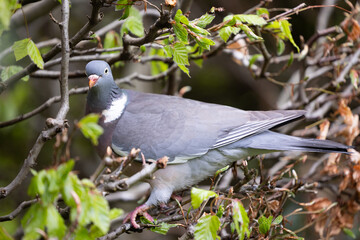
<point>18,210</point>
<point>95,18</point>
<point>354,59</point>
<point>147,171</point>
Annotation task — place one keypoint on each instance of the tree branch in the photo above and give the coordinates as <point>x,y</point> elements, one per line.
<point>18,210</point>
<point>147,171</point>
<point>65,55</point>
<point>54,125</point>
<point>93,20</point>
<point>127,226</point>
<point>354,59</point>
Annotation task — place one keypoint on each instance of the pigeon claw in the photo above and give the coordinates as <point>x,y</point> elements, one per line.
<point>141,210</point>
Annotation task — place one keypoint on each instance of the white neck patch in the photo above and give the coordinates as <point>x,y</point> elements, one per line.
<point>115,110</point>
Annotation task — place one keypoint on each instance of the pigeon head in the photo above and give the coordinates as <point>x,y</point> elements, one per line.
<point>99,74</point>
<point>103,90</point>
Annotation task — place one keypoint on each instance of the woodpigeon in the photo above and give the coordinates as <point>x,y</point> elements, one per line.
<point>199,138</point>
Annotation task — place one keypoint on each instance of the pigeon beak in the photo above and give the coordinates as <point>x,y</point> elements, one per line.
<point>92,80</point>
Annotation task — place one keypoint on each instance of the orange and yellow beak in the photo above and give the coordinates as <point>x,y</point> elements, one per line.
<point>92,80</point>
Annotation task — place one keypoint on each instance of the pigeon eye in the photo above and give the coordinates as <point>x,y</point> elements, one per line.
<point>106,71</point>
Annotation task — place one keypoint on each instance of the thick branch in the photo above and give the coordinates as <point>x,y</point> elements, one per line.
<point>65,55</point>
<point>54,125</point>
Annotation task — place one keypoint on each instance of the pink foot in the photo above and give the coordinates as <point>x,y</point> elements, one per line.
<point>141,210</point>
<point>176,197</point>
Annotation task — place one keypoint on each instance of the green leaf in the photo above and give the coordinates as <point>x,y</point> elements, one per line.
<point>204,43</point>
<point>280,46</point>
<point>163,228</point>
<point>27,47</point>
<point>34,219</point>
<point>180,18</point>
<point>250,19</point>
<point>64,169</point>
<point>180,32</point>
<point>115,213</point>
<point>89,127</point>
<point>82,234</point>
<point>171,39</point>
<point>133,23</point>
<point>7,72</point>
<point>37,184</point>
<point>220,211</point>
<point>198,30</point>
<point>4,235</point>
<point>7,8</point>
<point>240,217</point>
<point>285,29</point>
<point>167,51</point>
<point>54,223</point>
<point>142,48</point>
<point>198,62</point>
<point>207,227</point>
<point>248,31</point>
<point>253,59</point>
<point>198,196</point>
<point>100,213</point>
<point>291,59</point>
<point>225,32</point>
<point>229,20</point>
<point>20,48</point>
<point>348,232</point>
<point>184,69</point>
<point>53,181</point>
<point>126,13</point>
<point>222,170</point>
<point>88,183</point>
<point>121,4</point>
<point>158,66</point>
<point>262,12</point>
<point>278,220</point>
<point>180,54</point>
<point>264,224</point>
<point>204,20</point>
<point>112,39</point>
<point>34,54</point>
<point>67,189</point>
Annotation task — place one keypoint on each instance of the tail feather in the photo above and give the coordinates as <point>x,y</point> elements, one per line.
<point>269,140</point>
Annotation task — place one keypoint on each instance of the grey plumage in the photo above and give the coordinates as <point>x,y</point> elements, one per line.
<point>199,138</point>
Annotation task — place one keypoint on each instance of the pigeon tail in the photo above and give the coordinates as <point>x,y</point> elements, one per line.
<point>269,140</point>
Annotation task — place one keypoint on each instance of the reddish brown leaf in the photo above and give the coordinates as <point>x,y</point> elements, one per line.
<point>332,163</point>
<point>171,3</point>
<point>351,121</point>
<point>324,129</point>
<point>346,180</point>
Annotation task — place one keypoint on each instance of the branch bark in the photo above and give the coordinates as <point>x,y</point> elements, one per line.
<point>18,210</point>
<point>54,125</point>
<point>147,171</point>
